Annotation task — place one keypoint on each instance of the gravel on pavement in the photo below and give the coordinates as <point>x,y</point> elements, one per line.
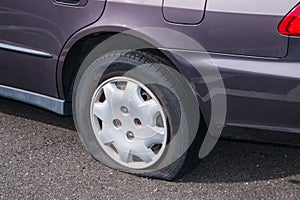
<point>42,157</point>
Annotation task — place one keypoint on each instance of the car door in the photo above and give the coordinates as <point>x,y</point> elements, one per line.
<point>32,34</point>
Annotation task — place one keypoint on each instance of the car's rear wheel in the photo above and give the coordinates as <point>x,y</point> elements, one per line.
<point>136,114</point>
<point>129,122</point>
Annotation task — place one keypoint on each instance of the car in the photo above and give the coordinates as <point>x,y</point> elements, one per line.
<point>153,84</point>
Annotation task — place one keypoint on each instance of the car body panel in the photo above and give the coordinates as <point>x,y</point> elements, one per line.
<point>247,40</point>
<point>39,26</point>
<point>261,93</point>
<point>193,9</point>
<point>263,48</point>
<point>262,84</point>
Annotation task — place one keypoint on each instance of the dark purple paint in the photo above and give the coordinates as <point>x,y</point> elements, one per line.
<point>55,29</point>
<point>227,33</point>
<point>174,15</point>
<point>43,26</point>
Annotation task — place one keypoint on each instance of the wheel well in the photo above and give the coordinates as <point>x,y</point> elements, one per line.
<point>78,53</point>
<point>74,59</point>
<point>83,47</point>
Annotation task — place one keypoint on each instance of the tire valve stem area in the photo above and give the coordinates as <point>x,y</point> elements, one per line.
<point>145,95</point>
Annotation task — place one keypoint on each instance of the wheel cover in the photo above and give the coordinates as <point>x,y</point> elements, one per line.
<point>129,123</point>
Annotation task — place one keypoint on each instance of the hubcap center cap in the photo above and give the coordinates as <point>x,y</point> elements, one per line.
<point>124,110</point>
<point>130,135</point>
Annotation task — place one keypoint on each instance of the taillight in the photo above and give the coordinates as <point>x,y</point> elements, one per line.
<point>290,25</point>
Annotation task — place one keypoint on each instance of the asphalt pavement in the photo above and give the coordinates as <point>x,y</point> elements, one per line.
<point>42,157</point>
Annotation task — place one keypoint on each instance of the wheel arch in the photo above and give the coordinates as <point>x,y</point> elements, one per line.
<point>80,45</point>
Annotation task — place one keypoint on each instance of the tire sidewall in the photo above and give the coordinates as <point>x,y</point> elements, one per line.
<point>174,93</point>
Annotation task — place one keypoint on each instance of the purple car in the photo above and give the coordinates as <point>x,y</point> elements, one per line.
<point>152,84</point>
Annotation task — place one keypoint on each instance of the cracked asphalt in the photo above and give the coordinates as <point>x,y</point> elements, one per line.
<point>41,157</point>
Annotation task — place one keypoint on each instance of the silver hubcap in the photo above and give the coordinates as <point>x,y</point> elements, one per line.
<point>129,122</point>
